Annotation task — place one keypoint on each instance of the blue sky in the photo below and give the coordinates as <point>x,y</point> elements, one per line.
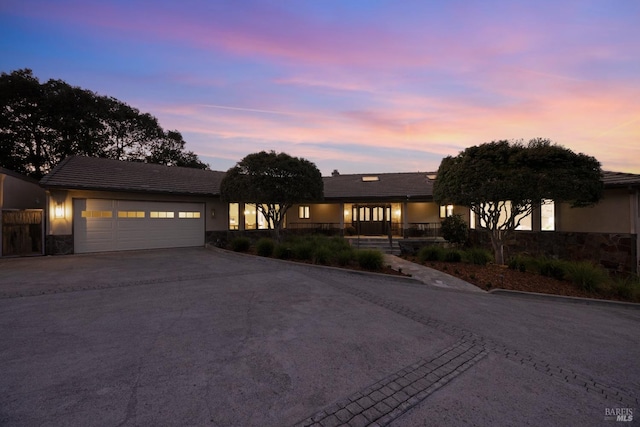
<point>358,86</point>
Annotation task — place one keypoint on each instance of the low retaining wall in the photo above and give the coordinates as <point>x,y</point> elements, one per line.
<point>59,244</point>
<point>617,252</point>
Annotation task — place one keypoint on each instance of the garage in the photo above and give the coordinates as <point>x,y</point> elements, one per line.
<point>102,225</point>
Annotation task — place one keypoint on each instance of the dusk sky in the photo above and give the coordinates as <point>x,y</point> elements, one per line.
<point>359,86</point>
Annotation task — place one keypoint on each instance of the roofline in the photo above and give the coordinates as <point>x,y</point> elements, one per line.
<point>17,175</point>
<point>127,190</point>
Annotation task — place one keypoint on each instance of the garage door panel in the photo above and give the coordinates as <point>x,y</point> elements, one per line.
<point>137,225</point>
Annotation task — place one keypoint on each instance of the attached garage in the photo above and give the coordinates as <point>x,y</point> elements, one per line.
<point>116,225</point>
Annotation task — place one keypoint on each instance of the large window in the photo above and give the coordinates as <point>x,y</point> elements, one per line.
<point>234,215</point>
<point>548,216</point>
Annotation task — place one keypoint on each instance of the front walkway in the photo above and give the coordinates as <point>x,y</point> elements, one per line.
<point>429,276</point>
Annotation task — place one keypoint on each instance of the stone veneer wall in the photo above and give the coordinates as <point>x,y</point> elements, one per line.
<point>59,245</point>
<point>616,252</point>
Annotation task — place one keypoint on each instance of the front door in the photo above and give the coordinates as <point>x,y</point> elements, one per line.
<point>371,220</point>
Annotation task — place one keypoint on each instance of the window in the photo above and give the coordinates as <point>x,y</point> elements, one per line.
<point>161,214</point>
<point>547,216</point>
<point>131,214</point>
<point>188,214</point>
<point>370,178</point>
<point>446,211</point>
<point>250,216</point>
<point>303,212</point>
<point>234,213</point>
<point>97,214</point>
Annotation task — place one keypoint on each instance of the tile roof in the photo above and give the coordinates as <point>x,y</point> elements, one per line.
<point>412,185</point>
<point>93,173</point>
<point>615,179</point>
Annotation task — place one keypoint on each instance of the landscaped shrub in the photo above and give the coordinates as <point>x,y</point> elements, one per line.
<point>322,255</point>
<point>552,268</point>
<point>282,251</point>
<point>345,256</point>
<point>265,247</point>
<point>454,229</point>
<point>303,250</point>
<point>452,255</point>
<point>350,231</point>
<point>478,256</point>
<point>627,288</point>
<point>370,259</point>
<point>586,275</point>
<point>431,253</point>
<point>240,244</point>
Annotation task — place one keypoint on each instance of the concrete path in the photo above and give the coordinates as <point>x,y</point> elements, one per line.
<point>211,338</point>
<point>429,276</point>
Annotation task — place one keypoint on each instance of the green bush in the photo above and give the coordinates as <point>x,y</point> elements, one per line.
<point>586,275</point>
<point>282,251</point>
<point>345,256</point>
<point>478,256</point>
<point>454,229</point>
<point>431,253</point>
<point>240,244</point>
<point>303,250</point>
<point>627,288</point>
<point>350,231</point>
<point>370,259</point>
<point>265,247</point>
<point>322,255</point>
<point>552,268</point>
<point>452,255</point>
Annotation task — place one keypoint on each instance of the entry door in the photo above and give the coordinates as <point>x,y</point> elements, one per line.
<point>372,220</point>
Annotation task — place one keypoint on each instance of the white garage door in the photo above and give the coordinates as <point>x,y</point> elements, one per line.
<point>117,225</point>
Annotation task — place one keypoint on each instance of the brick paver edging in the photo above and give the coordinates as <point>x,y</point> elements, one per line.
<point>387,399</point>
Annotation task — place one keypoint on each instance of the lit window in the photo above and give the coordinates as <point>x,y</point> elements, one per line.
<point>161,214</point>
<point>234,213</point>
<point>188,214</point>
<point>446,211</point>
<point>547,214</point>
<point>370,178</point>
<point>131,214</point>
<point>303,212</point>
<point>250,217</point>
<point>97,214</point>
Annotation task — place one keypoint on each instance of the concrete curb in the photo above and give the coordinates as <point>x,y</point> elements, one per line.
<point>566,299</point>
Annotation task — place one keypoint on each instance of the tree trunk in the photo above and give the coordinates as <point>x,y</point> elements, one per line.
<point>497,244</point>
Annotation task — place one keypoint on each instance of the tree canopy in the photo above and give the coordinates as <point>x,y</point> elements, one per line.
<point>274,182</point>
<point>42,123</point>
<point>502,182</point>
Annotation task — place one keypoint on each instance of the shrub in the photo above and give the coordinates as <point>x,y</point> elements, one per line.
<point>265,246</point>
<point>282,251</point>
<point>452,255</point>
<point>350,230</point>
<point>370,259</point>
<point>454,229</point>
<point>586,275</point>
<point>322,255</point>
<point>627,289</point>
<point>303,250</point>
<point>478,256</point>
<point>345,256</point>
<point>240,244</point>
<point>552,268</point>
<point>431,253</point>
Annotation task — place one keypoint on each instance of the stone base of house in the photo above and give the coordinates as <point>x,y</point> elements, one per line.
<point>617,252</point>
<point>59,245</point>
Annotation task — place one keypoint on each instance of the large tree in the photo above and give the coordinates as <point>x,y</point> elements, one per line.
<point>41,123</point>
<point>274,182</point>
<point>502,182</point>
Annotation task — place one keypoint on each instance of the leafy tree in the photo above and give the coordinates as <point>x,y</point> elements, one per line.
<point>502,182</point>
<point>42,123</point>
<point>455,229</point>
<point>274,182</point>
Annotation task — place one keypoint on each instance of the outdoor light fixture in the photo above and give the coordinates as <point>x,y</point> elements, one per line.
<point>58,211</point>
<point>213,213</point>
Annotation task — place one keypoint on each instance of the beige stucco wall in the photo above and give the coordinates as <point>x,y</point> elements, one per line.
<point>218,220</point>
<point>611,215</point>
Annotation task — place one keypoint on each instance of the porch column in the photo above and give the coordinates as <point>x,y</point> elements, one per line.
<point>342,216</point>
<point>405,217</point>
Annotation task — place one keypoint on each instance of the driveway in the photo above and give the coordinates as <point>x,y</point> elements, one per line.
<point>207,337</point>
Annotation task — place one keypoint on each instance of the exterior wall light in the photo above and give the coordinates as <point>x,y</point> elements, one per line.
<point>58,211</point>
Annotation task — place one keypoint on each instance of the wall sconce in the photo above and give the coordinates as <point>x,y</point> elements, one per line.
<point>213,213</point>
<point>346,212</point>
<point>398,212</point>
<point>58,211</point>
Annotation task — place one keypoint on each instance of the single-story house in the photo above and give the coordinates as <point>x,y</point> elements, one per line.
<point>22,203</point>
<point>97,204</point>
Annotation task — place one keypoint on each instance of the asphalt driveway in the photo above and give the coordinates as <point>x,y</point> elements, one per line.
<point>207,337</point>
